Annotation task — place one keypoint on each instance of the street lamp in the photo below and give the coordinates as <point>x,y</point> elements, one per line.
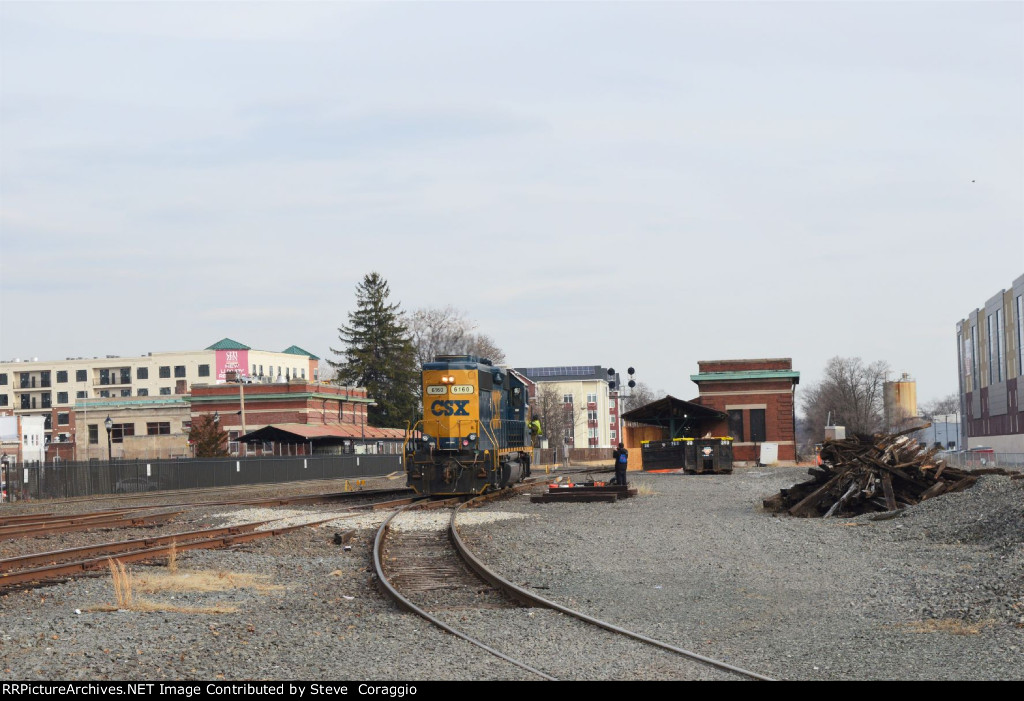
<point>109,424</point>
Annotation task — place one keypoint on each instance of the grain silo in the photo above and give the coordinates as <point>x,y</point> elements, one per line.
<point>900,401</point>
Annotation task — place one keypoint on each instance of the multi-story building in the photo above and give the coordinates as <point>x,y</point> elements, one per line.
<point>587,399</point>
<point>61,391</point>
<point>990,350</point>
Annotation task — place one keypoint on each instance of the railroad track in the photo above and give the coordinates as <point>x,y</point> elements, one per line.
<point>44,568</point>
<point>437,577</point>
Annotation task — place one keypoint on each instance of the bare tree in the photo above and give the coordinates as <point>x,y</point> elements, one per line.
<point>558,419</point>
<point>950,404</point>
<point>446,330</point>
<point>639,396</point>
<point>851,394</point>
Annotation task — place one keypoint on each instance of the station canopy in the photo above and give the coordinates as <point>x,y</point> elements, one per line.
<point>321,433</point>
<point>678,416</point>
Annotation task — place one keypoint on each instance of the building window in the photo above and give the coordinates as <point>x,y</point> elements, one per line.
<point>303,373</point>
<point>62,376</point>
<point>736,424</point>
<point>142,373</point>
<point>81,394</point>
<point>119,431</point>
<point>567,399</point>
<point>591,399</point>
<point>44,378</point>
<point>63,418</point>
<point>81,375</point>
<point>104,393</point>
<point>757,426</point>
<point>126,392</point>
<point>94,434</point>
<point>165,371</point>
<point>3,378</point>
<point>1020,338</point>
<point>613,434</point>
<point>179,370</point>
<point>158,428</point>
<point>592,433</point>
<point>143,392</point>
<point>165,390</point>
<point>204,370</point>
<point>3,400</point>
<point>126,376</point>
<point>46,400</point>
<point>62,397</point>
<point>592,415</point>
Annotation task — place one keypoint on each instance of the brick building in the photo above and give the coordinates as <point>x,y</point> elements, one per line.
<point>759,397</point>
<point>306,416</point>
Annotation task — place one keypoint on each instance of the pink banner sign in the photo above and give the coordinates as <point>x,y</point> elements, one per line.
<point>233,362</point>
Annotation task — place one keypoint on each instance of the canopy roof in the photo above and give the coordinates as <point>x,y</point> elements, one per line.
<point>670,412</point>
<point>296,433</point>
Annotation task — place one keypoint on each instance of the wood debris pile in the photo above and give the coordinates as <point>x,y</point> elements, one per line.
<point>864,474</point>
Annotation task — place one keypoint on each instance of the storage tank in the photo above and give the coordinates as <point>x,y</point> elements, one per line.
<point>900,401</point>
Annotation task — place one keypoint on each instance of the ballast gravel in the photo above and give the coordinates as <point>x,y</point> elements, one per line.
<point>935,593</point>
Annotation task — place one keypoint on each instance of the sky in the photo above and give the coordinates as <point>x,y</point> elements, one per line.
<point>645,184</point>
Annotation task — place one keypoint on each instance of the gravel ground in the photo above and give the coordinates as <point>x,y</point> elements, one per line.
<point>937,593</point>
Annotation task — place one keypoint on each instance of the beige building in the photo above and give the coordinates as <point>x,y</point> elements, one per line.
<point>63,392</point>
<point>587,398</point>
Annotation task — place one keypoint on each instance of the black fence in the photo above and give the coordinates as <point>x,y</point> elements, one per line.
<point>81,479</point>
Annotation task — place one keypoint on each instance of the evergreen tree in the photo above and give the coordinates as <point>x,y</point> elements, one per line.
<point>209,439</point>
<point>379,355</point>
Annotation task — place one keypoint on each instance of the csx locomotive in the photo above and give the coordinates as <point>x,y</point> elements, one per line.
<point>474,435</point>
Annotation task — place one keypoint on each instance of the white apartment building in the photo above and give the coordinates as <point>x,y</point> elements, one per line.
<point>53,389</point>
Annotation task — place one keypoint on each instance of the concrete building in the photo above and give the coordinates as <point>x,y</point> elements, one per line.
<point>990,351</point>
<point>759,397</point>
<point>61,391</point>
<point>587,398</point>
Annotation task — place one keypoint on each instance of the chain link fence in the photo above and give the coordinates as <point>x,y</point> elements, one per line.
<point>81,479</point>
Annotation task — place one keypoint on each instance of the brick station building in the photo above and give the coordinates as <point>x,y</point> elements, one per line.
<point>303,416</point>
<point>759,397</point>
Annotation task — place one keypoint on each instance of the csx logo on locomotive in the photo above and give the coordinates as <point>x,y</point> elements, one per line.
<point>449,407</point>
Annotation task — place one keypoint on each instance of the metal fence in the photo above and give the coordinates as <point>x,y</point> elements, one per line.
<point>971,460</point>
<point>80,479</point>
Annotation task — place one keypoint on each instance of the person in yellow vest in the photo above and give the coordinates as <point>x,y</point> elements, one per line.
<point>535,431</point>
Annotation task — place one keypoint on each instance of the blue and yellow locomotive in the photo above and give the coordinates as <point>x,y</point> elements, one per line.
<point>474,432</point>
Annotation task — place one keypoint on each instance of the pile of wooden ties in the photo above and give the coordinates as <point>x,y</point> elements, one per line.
<point>864,474</point>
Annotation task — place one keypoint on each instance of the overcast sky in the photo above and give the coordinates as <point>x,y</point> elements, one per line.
<point>645,184</point>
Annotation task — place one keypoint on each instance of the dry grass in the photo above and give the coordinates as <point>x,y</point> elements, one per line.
<point>172,557</point>
<point>644,490</point>
<point>216,580</point>
<point>949,626</point>
<point>126,584</point>
<point>122,583</point>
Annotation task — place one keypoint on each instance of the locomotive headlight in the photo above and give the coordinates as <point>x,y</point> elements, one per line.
<point>471,437</point>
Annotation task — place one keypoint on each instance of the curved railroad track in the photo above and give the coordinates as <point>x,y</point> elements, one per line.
<point>434,575</point>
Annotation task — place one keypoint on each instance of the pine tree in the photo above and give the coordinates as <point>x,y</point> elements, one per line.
<point>379,355</point>
<point>209,439</point>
